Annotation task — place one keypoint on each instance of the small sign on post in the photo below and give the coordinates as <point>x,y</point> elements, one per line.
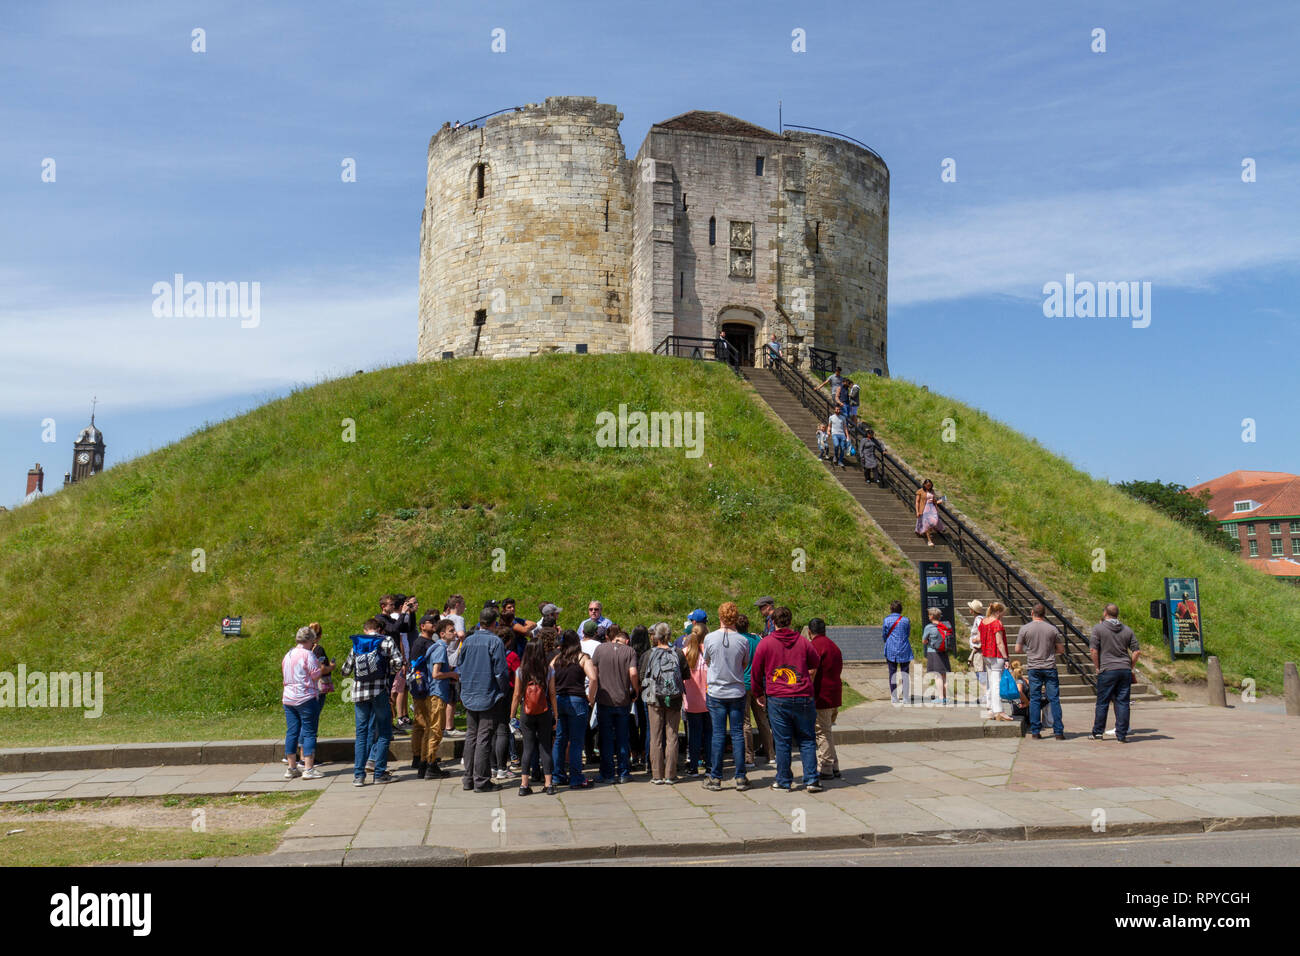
<point>1183,600</point>
<point>937,590</point>
<point>231,626</point>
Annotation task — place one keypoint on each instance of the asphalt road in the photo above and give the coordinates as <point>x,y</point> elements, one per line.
<point>1246,848</point>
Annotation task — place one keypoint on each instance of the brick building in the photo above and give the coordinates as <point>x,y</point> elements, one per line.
<point>1261,511</point>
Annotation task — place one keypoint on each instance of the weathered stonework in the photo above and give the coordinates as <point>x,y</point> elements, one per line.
<point>716,221</point>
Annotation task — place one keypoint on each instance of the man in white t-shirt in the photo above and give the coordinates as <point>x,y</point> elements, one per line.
<point>839,434</point>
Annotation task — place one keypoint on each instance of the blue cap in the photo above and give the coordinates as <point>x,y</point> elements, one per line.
<point>698,615</point>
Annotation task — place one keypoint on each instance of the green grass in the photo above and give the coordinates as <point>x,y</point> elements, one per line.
<point>451,461</point>
<point>76,843</point>
<point>850,697</point>
<point>1052,516</point>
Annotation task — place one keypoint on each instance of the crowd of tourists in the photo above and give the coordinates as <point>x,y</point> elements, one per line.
<point>541,702</point>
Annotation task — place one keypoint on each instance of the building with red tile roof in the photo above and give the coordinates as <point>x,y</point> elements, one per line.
<point>1261,510</point>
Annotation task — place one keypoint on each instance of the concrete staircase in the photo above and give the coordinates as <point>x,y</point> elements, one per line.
<point>898,521</point>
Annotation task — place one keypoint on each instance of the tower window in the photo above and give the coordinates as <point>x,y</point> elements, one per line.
<point>758,166</point>
<point>480,180</point>
<point>480,317</point>
<point>683,202</point>
<point>713,231</point>
<point>607,215</point>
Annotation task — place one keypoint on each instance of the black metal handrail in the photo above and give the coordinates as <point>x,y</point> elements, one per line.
<point>469,124</point>
<point>700,347</point>
<point>831,132</point>
<point>822,361</point>
<point>975,553</point>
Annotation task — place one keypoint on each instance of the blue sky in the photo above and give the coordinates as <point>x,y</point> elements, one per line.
<point>225,165</point>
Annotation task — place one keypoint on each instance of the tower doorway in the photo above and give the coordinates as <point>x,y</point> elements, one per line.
<point>741,334</point>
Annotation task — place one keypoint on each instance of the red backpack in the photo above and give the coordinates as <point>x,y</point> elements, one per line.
<point>535,701</point>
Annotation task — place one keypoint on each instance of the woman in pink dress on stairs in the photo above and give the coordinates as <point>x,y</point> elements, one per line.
<point>927,515</point>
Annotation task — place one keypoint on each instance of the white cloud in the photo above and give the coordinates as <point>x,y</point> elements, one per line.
<point>1182,235</point>
<point>118,349</point>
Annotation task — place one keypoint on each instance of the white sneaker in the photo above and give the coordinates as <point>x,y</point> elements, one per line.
<point>291,772</point>
<point>657,783</point>
<point>284,760</point>
<point>312,774</point>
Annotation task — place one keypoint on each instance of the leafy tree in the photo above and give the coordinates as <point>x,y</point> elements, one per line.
<point>1181,505</point>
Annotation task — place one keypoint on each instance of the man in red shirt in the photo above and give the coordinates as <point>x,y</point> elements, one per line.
<point>782,674</point>
<point>828,692</point>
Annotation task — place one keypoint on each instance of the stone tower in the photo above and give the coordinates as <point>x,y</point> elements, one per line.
<point>539,236</point>
<point>524,238</point>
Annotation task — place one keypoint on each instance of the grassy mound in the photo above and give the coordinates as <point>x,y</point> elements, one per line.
<point>1052,516</point>
<point>457,470</point>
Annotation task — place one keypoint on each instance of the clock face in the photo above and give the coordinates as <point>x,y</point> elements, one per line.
<point>83,457</point>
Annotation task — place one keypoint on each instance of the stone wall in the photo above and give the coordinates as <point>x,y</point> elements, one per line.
<point>545,251</point>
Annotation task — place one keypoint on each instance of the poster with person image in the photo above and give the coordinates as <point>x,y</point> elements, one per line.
<point>1185,635</point>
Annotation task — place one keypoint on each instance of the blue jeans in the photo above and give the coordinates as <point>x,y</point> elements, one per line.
<point>1044,677</point>
<point>1113,685</point>
<point>300,728</point>
<point>697,731</point>
<point>794,723</point>
<point>841,446</point>
<point>722,710</point>
<point>614,735</point>
<point>374,731</point>
<point>570,735</point>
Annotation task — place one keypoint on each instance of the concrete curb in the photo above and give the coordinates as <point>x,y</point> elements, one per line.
<point>341,749</point>
<point>864,840</point>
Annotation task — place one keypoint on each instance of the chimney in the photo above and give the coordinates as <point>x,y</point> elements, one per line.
<point>36,479</point>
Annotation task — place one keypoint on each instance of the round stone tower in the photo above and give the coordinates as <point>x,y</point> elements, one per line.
<point>525,234</point>
<point>847,216</point>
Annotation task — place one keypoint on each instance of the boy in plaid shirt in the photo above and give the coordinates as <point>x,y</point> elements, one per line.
<point>373,712</point>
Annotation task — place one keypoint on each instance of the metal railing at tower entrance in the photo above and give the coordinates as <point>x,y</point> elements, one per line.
<point>700,347</point>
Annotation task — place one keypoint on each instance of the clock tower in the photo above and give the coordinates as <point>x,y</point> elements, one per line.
<point>87,453</point>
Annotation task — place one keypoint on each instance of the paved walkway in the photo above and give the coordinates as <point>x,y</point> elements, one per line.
<point>1185,768</point>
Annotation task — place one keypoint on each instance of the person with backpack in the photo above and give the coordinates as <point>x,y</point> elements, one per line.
<point>784,669</point>
<point>828,694</point>
<point>484,684</point>
<point>726,655</point>
<point>896,631</point>
<point>937,638</point>
<point>371,662</point>
<point>666,673</point>
<point>976,658</point>
<point>442,683</point>
<point>426,734</point>
<point>576,684</point>
<point>852,398</point>
<point>300,677</point>
<point>535,691</point>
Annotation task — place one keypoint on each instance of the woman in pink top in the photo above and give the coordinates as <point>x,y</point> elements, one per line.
<point>301,674</point>
<point>695,706</point>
